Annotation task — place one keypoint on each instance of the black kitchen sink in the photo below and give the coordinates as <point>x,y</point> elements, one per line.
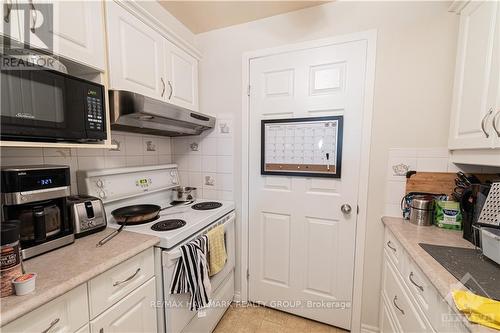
<point>478,273</point>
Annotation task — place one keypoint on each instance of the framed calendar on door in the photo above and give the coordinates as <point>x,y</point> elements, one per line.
<point>307,147</point>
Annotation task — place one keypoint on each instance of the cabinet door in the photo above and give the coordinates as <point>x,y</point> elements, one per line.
<point>135,54</point>
<point>182,73</point>
<point>134,313</point>
<point>65,314</point>
<point>78,31</point>
<point>474,95</point>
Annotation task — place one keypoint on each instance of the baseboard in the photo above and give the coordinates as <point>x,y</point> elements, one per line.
<point>369,329</point>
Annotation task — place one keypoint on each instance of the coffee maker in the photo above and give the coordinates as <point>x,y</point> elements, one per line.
<point>36,196</point>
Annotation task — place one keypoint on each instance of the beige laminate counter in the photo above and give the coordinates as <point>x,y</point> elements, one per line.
<point>410,236</point>
<point>63,269</point>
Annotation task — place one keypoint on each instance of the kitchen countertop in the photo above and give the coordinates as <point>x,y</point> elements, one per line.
<point>410,236</point>
<point>63,269</point>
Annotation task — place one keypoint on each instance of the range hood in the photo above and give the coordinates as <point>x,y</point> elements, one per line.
<point>132,112</point>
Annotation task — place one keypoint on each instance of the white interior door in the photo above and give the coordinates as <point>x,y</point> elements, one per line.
<point>301,245</point>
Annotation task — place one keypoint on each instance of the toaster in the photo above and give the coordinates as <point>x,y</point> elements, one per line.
<point>87,214</point>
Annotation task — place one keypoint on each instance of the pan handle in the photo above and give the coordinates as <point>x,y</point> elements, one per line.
<point>110,236</point>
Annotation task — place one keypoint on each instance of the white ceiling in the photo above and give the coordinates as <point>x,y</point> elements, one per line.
<point>202,16</point>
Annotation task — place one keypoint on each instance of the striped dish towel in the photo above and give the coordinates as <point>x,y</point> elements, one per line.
<point>191,273</point>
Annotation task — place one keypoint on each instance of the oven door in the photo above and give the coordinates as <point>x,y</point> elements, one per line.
<point>177,313</point>
<point>45,105</point>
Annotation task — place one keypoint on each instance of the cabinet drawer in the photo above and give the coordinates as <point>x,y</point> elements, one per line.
<point>419,285</point>
<point>67,313</point>
<point>134,313</point>
<point>114,284</point>
<point>406,314</point>
<point>393,249</point>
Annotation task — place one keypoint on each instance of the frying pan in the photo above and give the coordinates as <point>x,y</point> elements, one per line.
<point>136,214</point>
<point>130,215</point>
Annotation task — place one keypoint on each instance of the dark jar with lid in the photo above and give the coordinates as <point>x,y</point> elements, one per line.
<point>10,256</point>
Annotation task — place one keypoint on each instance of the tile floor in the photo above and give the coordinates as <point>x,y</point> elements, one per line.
<point>259,319</point>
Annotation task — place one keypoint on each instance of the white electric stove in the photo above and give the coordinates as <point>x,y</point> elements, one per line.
<point>176,225</point>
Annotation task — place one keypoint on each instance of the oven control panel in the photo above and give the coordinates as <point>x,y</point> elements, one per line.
<point>111,186</point>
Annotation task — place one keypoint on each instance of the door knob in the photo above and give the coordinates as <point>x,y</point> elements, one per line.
<point>346,208</point>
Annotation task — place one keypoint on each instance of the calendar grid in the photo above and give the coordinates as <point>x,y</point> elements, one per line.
<point>302,145</point>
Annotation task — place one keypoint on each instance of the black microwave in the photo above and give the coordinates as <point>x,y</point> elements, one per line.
<point>46,105</point>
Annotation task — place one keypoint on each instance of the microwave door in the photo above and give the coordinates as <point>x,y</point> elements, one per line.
<point>34,106</point>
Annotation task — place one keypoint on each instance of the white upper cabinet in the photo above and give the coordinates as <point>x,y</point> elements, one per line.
<point>73,30</point>
<point>78,32</point>
<point>182,74</point>
<point>135,54</point>
<point>476,105</point>
<point>142,60</point>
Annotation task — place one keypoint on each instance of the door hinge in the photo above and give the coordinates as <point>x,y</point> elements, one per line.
<point>248,274</point>
<point>248,91</point>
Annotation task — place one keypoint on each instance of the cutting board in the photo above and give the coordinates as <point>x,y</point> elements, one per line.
<point>431,182</point>
<point>439,182</point>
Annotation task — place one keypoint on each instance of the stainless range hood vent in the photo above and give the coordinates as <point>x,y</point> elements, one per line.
<point>132,112</point>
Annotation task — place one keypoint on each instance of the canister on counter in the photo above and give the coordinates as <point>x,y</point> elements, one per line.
<point>10,256</point>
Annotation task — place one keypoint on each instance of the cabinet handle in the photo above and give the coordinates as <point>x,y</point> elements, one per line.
<point>171,89</point>
<point>117,283</point>
<point>414,283</point>
<point>495,120</point>
<point>396,305</point>
<point>163,90</point>
<point>33,16</point>
<point>52,324</point>
<point>8,8</point>
<point>390,246</point>
<point>486,116</point>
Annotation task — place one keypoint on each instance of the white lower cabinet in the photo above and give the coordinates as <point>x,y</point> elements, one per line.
<point>406,315</point>
<point>65,314</point>
<point>120,300</point>
<point>409,302</point>
<point>134,313</point>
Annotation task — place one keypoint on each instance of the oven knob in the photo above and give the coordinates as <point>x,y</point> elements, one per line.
<point>173,173</point>
<point>90,223</point>
<point>99,183</point>
<point>102,194</point>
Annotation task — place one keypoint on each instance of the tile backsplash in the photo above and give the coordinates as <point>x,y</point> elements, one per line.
<point>402,160</point>
<point>206,161</point>
<point>133,150</point>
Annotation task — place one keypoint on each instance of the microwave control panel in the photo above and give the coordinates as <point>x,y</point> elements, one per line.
<point>95,112</point>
